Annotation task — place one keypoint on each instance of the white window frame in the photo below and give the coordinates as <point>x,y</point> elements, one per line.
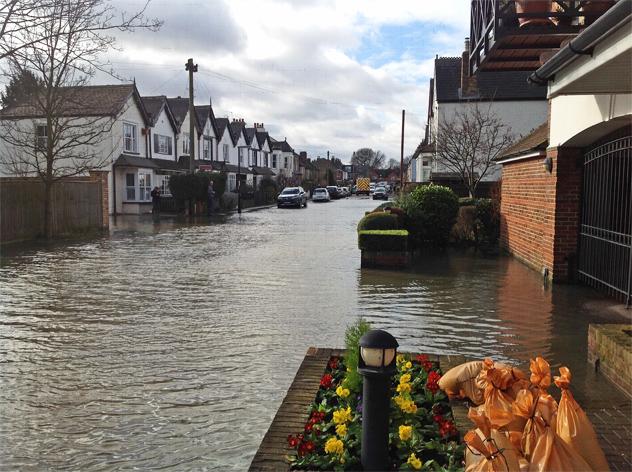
<point>265,159</point>
<point>207,148</point>
<point>144,191</point>
<point>185,143</point>
<point>164,186</point>
<point>240,155</point>
<point>130,188</point>
<point>285,162</point>
<point>130,143</point>
<point>164,144</point>
<point>232,182</point>
<point>226,149</point>
<point>41,137</point>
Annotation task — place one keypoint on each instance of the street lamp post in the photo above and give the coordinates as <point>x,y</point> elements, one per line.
<point>376,364</point>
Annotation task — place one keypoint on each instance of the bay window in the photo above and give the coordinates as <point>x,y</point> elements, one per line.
<point>144,186</point>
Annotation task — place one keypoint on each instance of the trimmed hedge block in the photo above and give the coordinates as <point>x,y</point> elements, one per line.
<point>383,240</point>
<point>379,220</point>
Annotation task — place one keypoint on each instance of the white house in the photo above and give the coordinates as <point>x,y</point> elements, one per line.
<point>452,90</point>
<point>207,142</point>
<point>259,143</point>
<point>282,158</point>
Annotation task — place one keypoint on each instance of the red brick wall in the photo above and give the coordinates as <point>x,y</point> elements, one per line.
<point>527,211</point>
<point>540,211</point>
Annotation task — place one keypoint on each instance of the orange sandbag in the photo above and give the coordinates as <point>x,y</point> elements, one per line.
<point>488,450</point>
<point>574,427</point>
<point>460,382</point>
<point>514,384</point>
<point>540,373</point>
<point>525,406</point>
<point>551,453</point>
<point>498,403</point>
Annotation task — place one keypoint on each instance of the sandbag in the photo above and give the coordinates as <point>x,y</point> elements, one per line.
<point>525,406</point>
<point>574,427</point>
<point>488,450</point>
<point>460,382</point>
<point>540,373</point>
<point>498,403</point>
<point>516,382</point>
<point>551,453</point>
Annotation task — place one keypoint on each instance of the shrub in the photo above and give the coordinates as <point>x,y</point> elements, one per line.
<point>194,186</point>
<point>431,211</point>
<point>383,240</point>
<point>464,230</point>
<point>487,224</point>
<point>378,220</point>
<point>467,201</point>
<point>354,332</point>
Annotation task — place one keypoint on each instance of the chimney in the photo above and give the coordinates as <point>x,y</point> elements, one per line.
<point>468,83</point>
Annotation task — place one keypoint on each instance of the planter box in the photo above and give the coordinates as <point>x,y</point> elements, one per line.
<point>610,350</point>
<point>385,259</point>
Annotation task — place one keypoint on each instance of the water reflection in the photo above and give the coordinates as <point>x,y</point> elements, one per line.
<point>171,345</point>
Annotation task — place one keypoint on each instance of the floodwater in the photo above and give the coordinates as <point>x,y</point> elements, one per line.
<point>170,345</point>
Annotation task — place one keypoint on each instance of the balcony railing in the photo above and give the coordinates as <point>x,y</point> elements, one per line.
<point>498,42</point>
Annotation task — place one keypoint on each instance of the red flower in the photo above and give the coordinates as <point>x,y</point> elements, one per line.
<point>432,383</point>
<point>292,441</point>
<point>327,381</point>
<point>333,363</point>
<point>438,419</point>
<point>447,428</point>
<point>308,427</point>
<point>309,447</point>
<point>421,358</point>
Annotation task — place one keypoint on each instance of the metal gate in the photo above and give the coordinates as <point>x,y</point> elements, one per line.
<point>605,251</point>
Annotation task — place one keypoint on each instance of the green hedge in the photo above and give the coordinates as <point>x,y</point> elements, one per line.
<point>431,212</point>
<point>378,220</point>
<point>487,221</point>
<point>194,186</point>
<point>383,240</point>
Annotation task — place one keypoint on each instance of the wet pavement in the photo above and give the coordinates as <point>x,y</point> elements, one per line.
<point>171,345</point>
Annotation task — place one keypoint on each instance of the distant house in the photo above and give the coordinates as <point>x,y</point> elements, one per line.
<point>259,141</point>
<point>453,90</point>
<point>282,158</point>
<point>566,203</point>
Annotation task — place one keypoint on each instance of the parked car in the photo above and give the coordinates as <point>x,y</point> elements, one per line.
<point>333,192</point>
<point>320,195</point>
<point>292,197</point>
<point>346,191</point>
<point>380,193</point>
<point>371,188</point>
<point>354,189</point>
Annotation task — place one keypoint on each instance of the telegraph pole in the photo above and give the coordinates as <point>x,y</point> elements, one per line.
<point>401,161</point>
<point>191,68</point>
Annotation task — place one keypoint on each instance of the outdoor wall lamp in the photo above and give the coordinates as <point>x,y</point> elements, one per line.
<point>548,164</point>
<point>376,364</point>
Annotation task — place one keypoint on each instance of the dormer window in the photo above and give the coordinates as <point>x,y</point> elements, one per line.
<point>185,143</point>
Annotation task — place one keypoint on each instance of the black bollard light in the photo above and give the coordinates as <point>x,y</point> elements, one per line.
<point>376,364</point>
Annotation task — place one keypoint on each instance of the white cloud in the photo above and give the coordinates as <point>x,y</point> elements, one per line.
<point>300,66</point>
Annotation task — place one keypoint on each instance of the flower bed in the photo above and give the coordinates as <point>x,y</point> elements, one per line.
<point>422,433</point>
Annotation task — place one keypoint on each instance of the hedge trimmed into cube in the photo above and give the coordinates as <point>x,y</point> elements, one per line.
<point>379,220</point>
<point>383,240</point>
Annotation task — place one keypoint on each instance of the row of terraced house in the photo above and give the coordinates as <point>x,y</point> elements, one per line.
<point>147,141</point>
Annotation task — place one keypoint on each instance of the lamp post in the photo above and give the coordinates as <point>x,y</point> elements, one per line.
<point>376,364</point>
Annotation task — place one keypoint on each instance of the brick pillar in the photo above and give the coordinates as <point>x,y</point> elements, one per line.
<point>567,167</point>
<point>101,176</point>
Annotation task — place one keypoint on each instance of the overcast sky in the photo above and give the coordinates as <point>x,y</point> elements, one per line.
<point>327,74</point>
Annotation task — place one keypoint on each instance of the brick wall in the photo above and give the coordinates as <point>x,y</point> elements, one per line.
<point>101,176</point>
<point>540,211</point>
<point>527,209</point>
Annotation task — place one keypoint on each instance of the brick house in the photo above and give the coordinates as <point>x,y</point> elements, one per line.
<point>567,188</point>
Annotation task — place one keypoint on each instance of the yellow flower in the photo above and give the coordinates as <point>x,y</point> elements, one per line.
<point>408,365</point>
<point>406,405</point>
<point>334,446</point>
<point>341,430</point>
<point>342,392</point>
<point>342,415</point>
<point>405,378</point>
<point>414,462</point>
<point>400,359</point>
<point>404,388</point>
<point>405,432</point>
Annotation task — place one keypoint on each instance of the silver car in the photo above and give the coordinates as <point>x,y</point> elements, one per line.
<point>320,195</point>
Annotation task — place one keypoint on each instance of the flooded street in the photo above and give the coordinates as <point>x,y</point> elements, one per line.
<point>172,345</point>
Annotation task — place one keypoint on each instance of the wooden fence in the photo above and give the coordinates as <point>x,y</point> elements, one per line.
<point>77,206</point>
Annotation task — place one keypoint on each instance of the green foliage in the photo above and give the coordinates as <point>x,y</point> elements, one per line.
<point>353,333</point>
<point>378,220</point>
<point>487,223</point>
<point>467,201</point>
<point>267,191</point>
<point>22,86</point>
<point>195,186</point>
<point>431,211</point>
<point>383,240</point>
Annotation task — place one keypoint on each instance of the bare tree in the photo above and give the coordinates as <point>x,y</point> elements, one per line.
<point>469,142</point>
<point>367,157</point>
<point>63,49</point>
